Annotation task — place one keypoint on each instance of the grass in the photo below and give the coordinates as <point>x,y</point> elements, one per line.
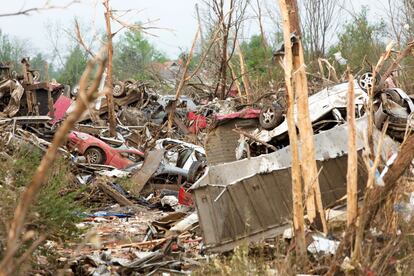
<point>243,260</point>
<point>53,214</point>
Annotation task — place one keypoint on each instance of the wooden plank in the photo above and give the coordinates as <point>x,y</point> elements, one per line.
<point>151,164</point>
<point>101,182</point>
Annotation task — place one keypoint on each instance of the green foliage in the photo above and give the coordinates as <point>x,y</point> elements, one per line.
<point>54,212</point>
<point>11,50</point>
<point>74,66</point>
<point>256,56</point>
<point>258,60</point>
<point>360,40</point>
<point>56,204</point>
<point>38,63</point>
<point>133,54</point>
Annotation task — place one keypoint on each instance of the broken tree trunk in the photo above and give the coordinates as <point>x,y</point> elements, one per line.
<point>351,175</point>
<point>394,65</point>
<point>356,255</point>
<point>236,81</point>
<point>297,192</point>
<point>109,80</point>
<point>377,195</point>
<point>309,170</point>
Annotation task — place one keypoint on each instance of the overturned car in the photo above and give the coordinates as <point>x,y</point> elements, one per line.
<point>250,199</point>
<point>328,110</point>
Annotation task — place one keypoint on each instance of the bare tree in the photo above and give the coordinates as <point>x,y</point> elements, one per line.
<point>319,22</point>
<point>228,16</point>
<point>53,38</point>
<point>110,16</point>
<point>109,80</point>
<point>400,18</point>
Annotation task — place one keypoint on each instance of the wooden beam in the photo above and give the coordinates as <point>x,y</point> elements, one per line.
<point>150,166</point>
<point>102,183</point>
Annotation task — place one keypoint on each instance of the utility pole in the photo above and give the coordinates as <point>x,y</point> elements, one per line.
<point>109,80</point>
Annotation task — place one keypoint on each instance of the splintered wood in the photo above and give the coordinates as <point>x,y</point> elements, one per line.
<point>109,80</point>
<point>351,175</point>
<point>297,192</point>
<point>297,88</point>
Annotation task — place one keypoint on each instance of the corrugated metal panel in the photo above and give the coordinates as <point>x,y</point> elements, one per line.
<point>250,200</point>
<point>259,203</point>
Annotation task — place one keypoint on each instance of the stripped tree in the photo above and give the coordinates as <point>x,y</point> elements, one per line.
<point>227,17</point>
<point>109,80</point>
<point>297,190</point>
<point>319,23</point>
<point>295,66</point>
<point>87,94</point>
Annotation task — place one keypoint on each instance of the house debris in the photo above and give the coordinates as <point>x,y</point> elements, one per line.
<point>182,200</point>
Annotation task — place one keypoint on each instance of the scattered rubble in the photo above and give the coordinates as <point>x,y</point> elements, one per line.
<point>222,178</point>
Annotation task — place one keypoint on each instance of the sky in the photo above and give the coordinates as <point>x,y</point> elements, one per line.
<point>175,18</point>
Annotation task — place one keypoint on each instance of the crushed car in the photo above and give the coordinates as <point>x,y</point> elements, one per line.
<point>97,151</point>
<point>180,158</point>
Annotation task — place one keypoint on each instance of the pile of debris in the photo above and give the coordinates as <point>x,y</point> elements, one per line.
<point>150,185</point>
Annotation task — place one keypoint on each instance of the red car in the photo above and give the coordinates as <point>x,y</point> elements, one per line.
<point>97,151</point>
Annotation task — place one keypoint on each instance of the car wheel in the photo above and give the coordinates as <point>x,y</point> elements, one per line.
<point>366,80</point>
<point>270,116</point>
<point>94,156</point>
<point>118,89</point>
<point>75,91</point>
<point>36,75</point>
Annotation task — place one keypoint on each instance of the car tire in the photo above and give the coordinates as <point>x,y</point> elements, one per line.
<point>119,89</point>
<point>271,116</point>
<point>394,96</point>
<point>194,171</point>
<point>129,82</point>
<point>94,155</point>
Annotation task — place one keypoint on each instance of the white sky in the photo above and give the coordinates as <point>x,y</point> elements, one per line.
<point>176,15</point>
